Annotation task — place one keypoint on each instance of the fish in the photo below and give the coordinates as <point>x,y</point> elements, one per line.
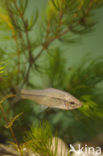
<point>51,97</point>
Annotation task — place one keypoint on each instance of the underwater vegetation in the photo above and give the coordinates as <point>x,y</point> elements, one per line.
<point>32,57</point>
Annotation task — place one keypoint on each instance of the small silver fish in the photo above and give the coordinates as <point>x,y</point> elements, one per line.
<point>51,97</point>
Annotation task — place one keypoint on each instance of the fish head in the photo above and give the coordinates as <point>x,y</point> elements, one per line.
<point>73,103</point>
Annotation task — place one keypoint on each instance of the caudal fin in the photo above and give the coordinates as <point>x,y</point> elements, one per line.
<point>17,97</point>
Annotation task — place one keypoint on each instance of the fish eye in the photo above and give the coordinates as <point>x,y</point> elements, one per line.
<point>72,103</point>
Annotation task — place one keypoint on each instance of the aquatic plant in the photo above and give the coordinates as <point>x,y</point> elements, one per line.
<point>40,140</point>
<point>10,122</point>
<point>64,22</point>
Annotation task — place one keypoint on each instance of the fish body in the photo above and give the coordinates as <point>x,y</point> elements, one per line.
<point>51,97</point>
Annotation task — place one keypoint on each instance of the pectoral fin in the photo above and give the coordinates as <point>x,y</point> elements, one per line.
<point>42,108</point>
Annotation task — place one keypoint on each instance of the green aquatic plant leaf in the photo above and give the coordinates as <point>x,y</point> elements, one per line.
<point>39,139</point>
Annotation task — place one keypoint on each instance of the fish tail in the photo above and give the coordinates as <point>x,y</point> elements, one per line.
<point>17,97</point>
<point>23,91</point>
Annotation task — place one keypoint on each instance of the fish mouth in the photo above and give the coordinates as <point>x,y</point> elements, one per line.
<point>77,106</point>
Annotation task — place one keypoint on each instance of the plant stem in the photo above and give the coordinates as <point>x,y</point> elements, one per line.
<point>11,129</point>
<point>28,42</point>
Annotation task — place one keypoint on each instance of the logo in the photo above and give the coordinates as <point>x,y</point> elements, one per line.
<point>85,150</point>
